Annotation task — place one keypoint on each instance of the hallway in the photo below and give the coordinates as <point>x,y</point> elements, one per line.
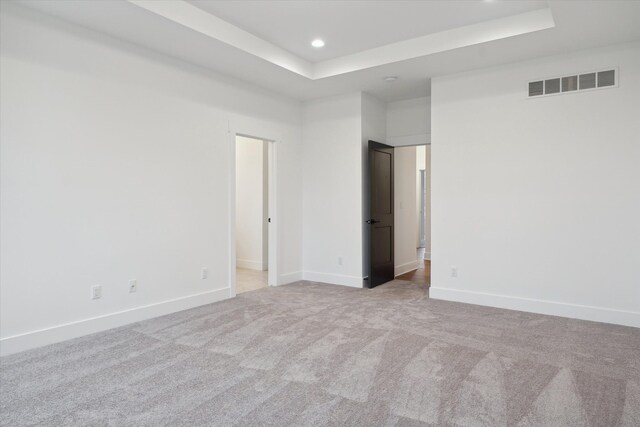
<point>421,276</point>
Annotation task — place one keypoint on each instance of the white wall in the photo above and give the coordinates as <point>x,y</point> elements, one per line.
<point>336,131</point>
<point>250,217</point>
<point>409,122</point>
<point>536,201</point>
<point>421,158</point>
<point>332,200</point>
<point>103,145</point>
<point>405,209</point>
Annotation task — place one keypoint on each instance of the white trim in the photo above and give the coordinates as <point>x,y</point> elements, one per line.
<point>553,308</point>
<point>292,277</point>
<point>250,264</point>
<point>405,268</point>
<point>54,334</point>
<point>334,279</point>
<point>273,254</point>
<point>232,213</point>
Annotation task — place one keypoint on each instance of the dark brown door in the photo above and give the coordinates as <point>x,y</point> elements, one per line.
<point>381,213</point>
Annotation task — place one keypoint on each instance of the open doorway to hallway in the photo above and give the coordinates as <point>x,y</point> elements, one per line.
<point>252,213</point>
<point>412,185</point>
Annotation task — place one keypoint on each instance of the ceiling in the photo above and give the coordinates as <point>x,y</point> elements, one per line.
<point>266,43</point>
<point>352,26</point>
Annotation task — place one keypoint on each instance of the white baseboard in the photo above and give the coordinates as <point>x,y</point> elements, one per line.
<point>553,308</point>
<point>427,256</point>
<point>54,334</point>
<point>287,278</point>
<point>334,279</point>
<point>405,268</point>
<point>249,264</point>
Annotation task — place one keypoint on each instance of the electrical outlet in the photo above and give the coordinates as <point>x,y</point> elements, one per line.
<point>454,271</point>
<point>133,286</point>
<point>205,273</point>
<point>96,292</point>
<point>339,260</point>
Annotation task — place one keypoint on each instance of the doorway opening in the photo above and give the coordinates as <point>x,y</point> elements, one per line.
<point>413,201</point>
<point>253,205</point>
<point>399,215</point>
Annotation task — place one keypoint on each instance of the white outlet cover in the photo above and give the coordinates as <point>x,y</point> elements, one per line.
<point>454,271</point>
<point>96,292</point>
<point>133,286</point>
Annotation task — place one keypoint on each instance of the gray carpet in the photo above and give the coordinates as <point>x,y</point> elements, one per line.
<point>310,354</point>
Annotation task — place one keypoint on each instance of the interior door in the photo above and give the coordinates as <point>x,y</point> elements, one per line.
<point>381,214</point>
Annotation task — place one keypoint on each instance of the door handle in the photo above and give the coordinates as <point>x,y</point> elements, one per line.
<point>372,221</point>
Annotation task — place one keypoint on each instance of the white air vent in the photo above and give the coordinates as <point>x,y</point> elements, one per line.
<point>551,86</point>
<point>574,83</point>
<point>536,88</point>
<point>587,81</point>
<point>569,83</point>
<point>607,78</point>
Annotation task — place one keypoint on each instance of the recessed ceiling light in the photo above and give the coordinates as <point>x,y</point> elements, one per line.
<point>390,79</point>
<point>317,43</point>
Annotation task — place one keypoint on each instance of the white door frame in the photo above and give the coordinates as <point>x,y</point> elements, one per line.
<point>423,208</point>
<point>272,274</point>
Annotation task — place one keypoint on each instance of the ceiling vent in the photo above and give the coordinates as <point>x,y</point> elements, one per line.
<point>574,83</point>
